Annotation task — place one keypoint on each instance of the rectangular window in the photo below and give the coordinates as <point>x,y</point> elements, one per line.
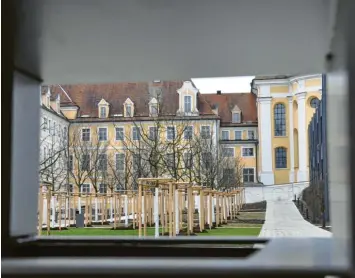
<point>248,175</point>
<point>238,135</point>
<point>50,126</point>
<point>85,134</point>
<point>205,132</point>
<point>120,161</point>
<point>228,152</point>
<point>45,124</point>
<point>102,162</point>
<point>188,133</point>
<point>170,133</point>
<point>70,188</point>
<point>65,132</point>
<point>188,160</point>
<point>102,134</point>
<point>228,176</point>
<point>154,109</point>
<point>54,127</point>
<point>119,134</point>
<point>236,117</point>
<point>70,166</point>
<point>103,188</point>
<point>170,160</point>
<point>207,160</point>
<point>136,162</point>
<point>85,162</point>
<point>153,130</point>
<point>102,112</point>
<point>128,110</point>
<point>85,188</point>
<point>251,134</point>
<point>225,135</point>
<point>187,104</point>
<point>136,133</point>
<point>247,152</point>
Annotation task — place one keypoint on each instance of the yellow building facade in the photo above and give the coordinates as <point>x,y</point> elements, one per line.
<point>285,108</point>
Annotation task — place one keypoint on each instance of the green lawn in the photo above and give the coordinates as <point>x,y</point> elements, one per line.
<point>250,231</point>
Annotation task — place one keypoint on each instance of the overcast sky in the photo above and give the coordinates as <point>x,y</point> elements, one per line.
<point>225,84</point>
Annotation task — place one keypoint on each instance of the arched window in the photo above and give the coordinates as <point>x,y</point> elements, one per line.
<point>314,102</point>
<point>280,120</point>
<point>280,158</point>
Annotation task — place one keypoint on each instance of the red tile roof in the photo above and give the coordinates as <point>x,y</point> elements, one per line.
<point>226,102</point>
<point>87,96</point>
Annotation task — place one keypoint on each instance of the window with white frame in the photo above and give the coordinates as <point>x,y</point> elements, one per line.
<point>136,133</point>
<point>65,132</point>
<point>228,152</point>
<point>247,151</point>
<point>207,160</point>
<point>251,134</point>
<point>154,109</point>
<point>102,188</point>
<point>85,134</point>
<point>45,124</point>
<point>85,162</point>
<point>187,104</point>
<point>188,132</point>
<point>54,128</point>
<point>238,135</point>
<point>102,134</point>
<point>119,134</point>
<point>225,135</point>
<point>228,176</point>
<point>170,133</point>
<point>170,160</point>
<point>120,161</point>
<point>70,188</point>
<point>102,112</point>
<point>236,117</point>
<point>129,110</point>
<point>85,188</point>
<point>102,162</point>
<point>248,175</point>
<point>71,163</point>
<point>44,153</point>
<point>205,132</point>
<point>188,160</point>
<point>50,126</point>
<point>136,162</point>
<point>153,130</point>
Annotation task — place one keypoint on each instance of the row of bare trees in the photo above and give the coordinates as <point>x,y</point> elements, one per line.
<point>178,148</point>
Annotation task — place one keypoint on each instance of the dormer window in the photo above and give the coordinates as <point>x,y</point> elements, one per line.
<point>153,107</point>
<point>128,108</point>
<point>103,109</point>
<point>187,104</point>
<point>236,117</point>
<point>102,112</point>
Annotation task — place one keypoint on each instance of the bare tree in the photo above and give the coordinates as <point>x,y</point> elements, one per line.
<point>87,157</point>
<point>53,160</point>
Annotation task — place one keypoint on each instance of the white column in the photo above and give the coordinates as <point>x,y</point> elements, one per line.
<point>79,204</point>
<point>267,174</point>
<point>156,211</point>
<point>126,210</point>
<point>111,209</point>
<point>208,209</point>
<point>96,210</point>
<point>143,210</point>
<point>53,211</point>
<point>292,147</point>
<point>213,213</point>
<point>45,210</point>
<point>177,226</point>
<point>302,174</point>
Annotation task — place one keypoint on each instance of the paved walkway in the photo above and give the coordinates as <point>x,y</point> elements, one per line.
<point>282,219</point>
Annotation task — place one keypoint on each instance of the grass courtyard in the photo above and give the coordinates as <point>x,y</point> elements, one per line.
<point>222,231</point>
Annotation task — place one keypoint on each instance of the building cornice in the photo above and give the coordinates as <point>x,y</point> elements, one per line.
<point>286,81</point>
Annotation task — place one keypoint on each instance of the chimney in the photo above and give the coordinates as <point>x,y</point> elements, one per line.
<point>219,92</point>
